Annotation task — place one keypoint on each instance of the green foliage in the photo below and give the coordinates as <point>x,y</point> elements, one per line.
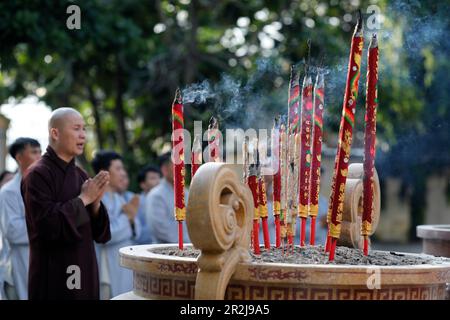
<point>122,68</point>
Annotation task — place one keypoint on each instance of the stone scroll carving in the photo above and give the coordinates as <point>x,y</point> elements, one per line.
<point>352,216</point>
<point>219,215</point>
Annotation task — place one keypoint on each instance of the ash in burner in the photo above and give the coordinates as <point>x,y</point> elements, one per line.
<point>316,255</point>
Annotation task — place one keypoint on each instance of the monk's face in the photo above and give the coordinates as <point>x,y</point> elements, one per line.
<point>70,136</point>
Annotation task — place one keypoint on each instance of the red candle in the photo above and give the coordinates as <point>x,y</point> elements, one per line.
<point>283,187</point>
<point>263,211</point>
<point>319,93</point>
<point>262,200</point>
<point>276,182</point>
<point>252,182</point>
<point>345,137</point>
<point>196,156</point>
<point>178,163</point>
<point>333,184</point>
<point>305,154</point>
<point>369,140</point>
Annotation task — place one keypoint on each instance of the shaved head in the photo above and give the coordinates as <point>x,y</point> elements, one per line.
<point>67,133</point>
<point>60,116</point>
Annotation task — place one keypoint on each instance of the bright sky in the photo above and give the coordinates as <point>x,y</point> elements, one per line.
<point>28,118</point>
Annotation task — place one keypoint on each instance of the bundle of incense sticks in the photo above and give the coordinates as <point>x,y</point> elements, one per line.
<point>178,165</point>
<point>336,205</point>
<point>283,188</point>
<point>316,154</point>
<point>262,203</point>
<point>214,154</point>
<point>369,141</point>
<point>196,156</point>
<point>251,179</point>
<point>276,182</point>
<point>305,155</point>
<point>293,149</point>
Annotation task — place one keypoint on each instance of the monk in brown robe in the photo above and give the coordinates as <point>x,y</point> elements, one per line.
<point>64,215</point>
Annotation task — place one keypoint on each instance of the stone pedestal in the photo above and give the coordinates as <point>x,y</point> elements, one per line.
<point>435,239</point>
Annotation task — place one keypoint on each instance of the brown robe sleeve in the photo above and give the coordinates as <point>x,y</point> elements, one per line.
<point>100,225</point>
<point>52,221</point>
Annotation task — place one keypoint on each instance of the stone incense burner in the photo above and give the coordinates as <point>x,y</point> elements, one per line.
<point>219,216</point>
<point>435,239</point>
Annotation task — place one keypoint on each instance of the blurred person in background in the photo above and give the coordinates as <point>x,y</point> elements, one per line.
<point>14,255</point>
<point>148,178</point>
<point>5,176</point>
<point>124,225</point>
<point>160,204</point>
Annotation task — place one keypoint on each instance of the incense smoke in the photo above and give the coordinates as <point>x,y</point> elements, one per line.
<point>418,61</point>
<point>409,33</point>
<point>240,103</point>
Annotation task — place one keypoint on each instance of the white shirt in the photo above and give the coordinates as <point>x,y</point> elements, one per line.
<point>111,272</point>
<point>159,214</point>
<point>14,255</point>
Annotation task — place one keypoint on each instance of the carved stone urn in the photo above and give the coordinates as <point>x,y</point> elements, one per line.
<point>435,239</point>
<point>219,215</point>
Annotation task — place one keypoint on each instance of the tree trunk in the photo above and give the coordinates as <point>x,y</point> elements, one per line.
<point>95,109</point>
<point>118,111</point>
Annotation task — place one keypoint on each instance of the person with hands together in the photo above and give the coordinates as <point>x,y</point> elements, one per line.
<point>125,227</point>
<point>64,215</point>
